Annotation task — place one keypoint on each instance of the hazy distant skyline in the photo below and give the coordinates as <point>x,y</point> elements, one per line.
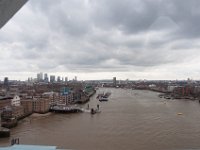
<point>100,39</point>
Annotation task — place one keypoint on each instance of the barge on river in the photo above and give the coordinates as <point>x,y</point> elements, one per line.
<point>103,97</point>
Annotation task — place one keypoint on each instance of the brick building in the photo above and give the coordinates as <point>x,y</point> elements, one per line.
<point>28,106</point>
<point>41,105</point>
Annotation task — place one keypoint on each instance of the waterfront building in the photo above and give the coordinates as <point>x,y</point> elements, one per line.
<point>15,101</point>
<point>41,105</point>
<point>65,97</point>
<point>27,105</point>
<point>53,97</point>
<point>184,90</point>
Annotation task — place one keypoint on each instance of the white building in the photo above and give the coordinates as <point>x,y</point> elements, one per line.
<point>15,101</point>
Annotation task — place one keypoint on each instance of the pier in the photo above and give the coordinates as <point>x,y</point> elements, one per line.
<point>66,109</point>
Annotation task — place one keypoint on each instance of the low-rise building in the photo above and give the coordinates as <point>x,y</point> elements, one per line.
<point>15,101</point>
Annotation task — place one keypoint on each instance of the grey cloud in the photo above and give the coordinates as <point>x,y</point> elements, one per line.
<point>186,15</point>
<point>69,17</point>
<point>129,16</point>
<point>101,35</point>
<point>138,16</point>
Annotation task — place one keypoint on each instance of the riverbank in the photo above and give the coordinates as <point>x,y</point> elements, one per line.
<point>127,121</point>
<point>14,122</point>
<point>172,96</point>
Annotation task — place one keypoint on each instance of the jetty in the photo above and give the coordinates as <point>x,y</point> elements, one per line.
<point>66,109</point>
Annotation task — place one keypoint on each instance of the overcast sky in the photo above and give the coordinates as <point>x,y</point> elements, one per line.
<point>100,39</point>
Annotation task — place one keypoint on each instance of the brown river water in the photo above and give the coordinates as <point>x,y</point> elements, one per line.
<point>130,120</point>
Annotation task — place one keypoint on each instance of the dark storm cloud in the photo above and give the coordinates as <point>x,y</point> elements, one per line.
<point>102,35</point>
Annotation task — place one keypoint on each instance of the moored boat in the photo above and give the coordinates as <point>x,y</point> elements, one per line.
<point>101,99</point>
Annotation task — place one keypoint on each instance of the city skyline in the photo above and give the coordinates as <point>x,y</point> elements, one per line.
<point>101,39</point>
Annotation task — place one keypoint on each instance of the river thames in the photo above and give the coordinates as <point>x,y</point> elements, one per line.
<point>131,119</point>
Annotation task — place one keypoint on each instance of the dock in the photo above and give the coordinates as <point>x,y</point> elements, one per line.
<point>66,109</point>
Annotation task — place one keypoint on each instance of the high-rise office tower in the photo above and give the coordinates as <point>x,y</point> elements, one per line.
<point>46,79</point>
<point>52,78</point>
<point>40,77</point>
